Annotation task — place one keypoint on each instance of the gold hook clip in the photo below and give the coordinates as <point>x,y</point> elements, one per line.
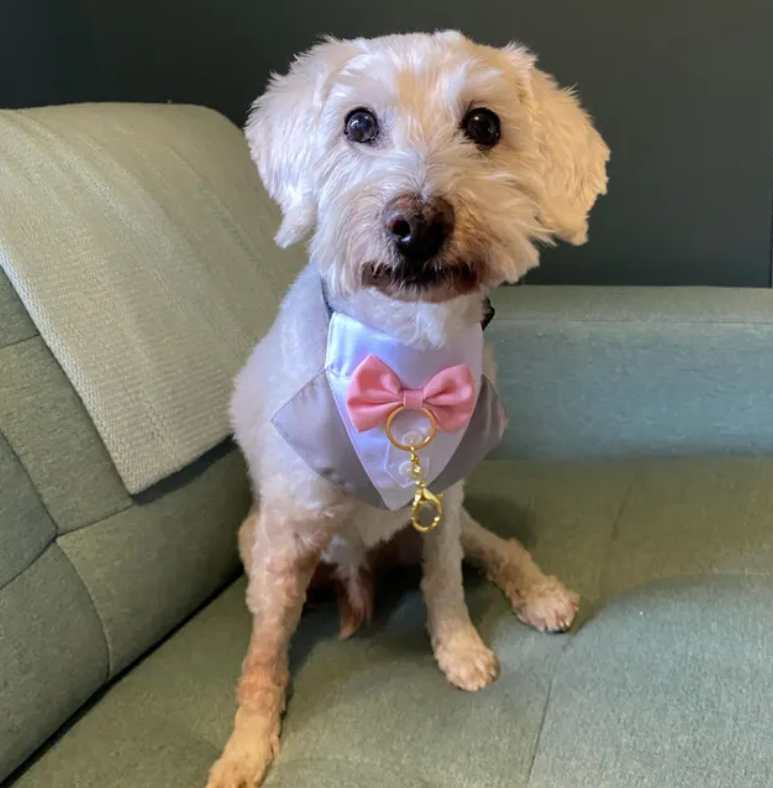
<point>423,497</point>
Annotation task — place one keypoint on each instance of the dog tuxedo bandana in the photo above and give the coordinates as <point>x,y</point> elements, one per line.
<point>338,421</point>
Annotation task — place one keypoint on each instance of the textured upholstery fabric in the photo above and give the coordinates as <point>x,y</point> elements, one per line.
<point>26,527</point>
<point>54,438</point>
<point>16,324</point>
<point>622,372</point>
<point>672,558</point>
<point>52,653</point>
<point>665,553</point>
<point>89,577</point>
<point>147,567</point>
<point>666,681</point>
<point>140,241</point>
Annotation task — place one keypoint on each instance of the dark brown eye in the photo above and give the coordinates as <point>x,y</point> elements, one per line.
<point>481,125</point>
<point>361,126</point>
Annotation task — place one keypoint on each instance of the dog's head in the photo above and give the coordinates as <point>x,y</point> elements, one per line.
<point>427,166</point>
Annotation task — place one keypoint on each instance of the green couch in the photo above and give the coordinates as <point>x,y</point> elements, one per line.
<point>634,468</point>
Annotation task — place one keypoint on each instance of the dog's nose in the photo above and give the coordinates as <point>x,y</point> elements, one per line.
<point>419,228</point>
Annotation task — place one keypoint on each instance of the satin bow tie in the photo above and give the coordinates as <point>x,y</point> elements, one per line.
<point>375,392</point>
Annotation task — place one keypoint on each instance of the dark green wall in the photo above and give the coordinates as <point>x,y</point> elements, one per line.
<point>682,90</point>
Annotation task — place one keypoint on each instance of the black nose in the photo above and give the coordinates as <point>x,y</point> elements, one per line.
<point>419,228</point>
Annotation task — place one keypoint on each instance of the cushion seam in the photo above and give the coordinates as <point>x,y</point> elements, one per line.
<point>55,540</point>
<point>18,342</point>
<point>17,575</point>
<point>58,531</point>
<point>98,521</point>
<point>108,650</point>
<point>52,537</point>
<point>613,535</point>
<point>541,730</point>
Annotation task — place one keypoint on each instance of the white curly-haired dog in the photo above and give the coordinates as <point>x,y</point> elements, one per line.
<point>426,168</point>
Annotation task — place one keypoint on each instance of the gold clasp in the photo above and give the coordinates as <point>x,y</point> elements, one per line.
<point>423,498</point>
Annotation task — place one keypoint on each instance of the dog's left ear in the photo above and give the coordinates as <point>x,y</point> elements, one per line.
<point>282,131</point>
<point>570,156</point>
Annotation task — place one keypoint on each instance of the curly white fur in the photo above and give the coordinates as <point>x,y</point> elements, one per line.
<point>538,183</point>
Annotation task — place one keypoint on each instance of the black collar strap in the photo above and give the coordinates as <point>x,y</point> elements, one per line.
<point>488,309</point>
<point>488,313</point>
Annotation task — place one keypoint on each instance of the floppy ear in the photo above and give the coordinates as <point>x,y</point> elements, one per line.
<point>283,134</point>
<point>569,154</point>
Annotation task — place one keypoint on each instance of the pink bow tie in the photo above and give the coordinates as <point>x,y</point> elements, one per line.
<point>375,391</point>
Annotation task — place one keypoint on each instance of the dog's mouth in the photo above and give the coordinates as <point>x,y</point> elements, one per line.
<point>435,281</point>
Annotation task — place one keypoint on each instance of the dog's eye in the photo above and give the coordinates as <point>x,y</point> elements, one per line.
<point>361,126</point>
<point>481,125</point>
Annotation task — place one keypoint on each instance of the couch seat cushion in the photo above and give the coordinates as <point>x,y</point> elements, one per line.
<point>666,680</point>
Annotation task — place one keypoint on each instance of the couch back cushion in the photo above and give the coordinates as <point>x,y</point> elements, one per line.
<point>91,577</point>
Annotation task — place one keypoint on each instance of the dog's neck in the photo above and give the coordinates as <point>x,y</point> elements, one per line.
<point>415,323</point>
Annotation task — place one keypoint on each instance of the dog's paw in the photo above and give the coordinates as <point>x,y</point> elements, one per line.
<point>247,771</point>
<point>245,760</point>
<point>548,606</point>
<point>227,773</point>
<point>467,662</point>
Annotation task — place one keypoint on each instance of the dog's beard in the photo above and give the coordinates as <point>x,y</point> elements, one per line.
<point>434,281</point>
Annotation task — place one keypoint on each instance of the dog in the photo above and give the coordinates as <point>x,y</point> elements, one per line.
<point>427,169</point>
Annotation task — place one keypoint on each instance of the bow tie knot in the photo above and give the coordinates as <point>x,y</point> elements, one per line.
<point>375,392</point>
<point>413,399</point>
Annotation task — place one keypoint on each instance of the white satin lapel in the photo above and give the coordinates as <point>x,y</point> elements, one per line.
<point>349,343</point>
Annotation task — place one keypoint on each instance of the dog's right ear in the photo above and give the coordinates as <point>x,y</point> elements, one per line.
<point>282,132</point>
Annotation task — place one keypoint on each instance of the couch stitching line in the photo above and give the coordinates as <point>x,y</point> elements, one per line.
<point>612,535</point>
<point>101,519</point>
<point>52,539</point>
<point>108,650</point>
<point>538,739</point>
<point>57,527</point>
<point>21,571</point>
<point>55,540</point>
<point>18,342</point>
<point>615,528</point>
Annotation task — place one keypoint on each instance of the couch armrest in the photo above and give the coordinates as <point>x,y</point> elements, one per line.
<point>593,372</point>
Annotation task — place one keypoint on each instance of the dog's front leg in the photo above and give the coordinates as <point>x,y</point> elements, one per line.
<point>540,600</point>
<point>458,648</point>
<point>286,550</point>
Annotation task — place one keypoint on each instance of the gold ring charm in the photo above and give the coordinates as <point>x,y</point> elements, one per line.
<point>419,446</point>
<point>423,498</point>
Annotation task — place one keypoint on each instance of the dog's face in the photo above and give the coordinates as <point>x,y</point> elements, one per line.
<point>427,166</point>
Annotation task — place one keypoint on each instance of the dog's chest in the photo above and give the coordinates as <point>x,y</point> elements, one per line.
<point>319,423</point>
